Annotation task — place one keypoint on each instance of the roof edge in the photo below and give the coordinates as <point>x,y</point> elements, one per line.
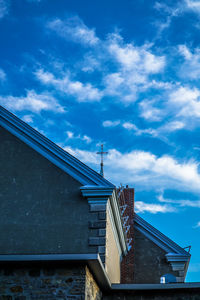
<point>62,159</point>
<point>158,238</point>
<point>92,260</point>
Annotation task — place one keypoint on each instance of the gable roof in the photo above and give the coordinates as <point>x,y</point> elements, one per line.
<point>62,159</point>
<point>159,238</point>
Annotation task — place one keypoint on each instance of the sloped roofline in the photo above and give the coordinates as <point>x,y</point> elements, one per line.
<point>159,238</point>
<point>62,159</point>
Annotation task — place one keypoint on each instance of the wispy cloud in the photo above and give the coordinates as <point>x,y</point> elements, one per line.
<point>83,92</point>
<point>180,203</point>
<point>33,102</point>
<point>28,118</point>
<point>191,66</point>
<point>2,75</point>
<point>131,57</point>
<point>193,5</point>
<point>186,101</point>
<point>84,138</point>
<point>168,12</point>
<point>109,123</point>
<point>197,225</point>
<point>74,29</point>
<point>142,207</point>
<point>134,66</point>
<point>125,69</point>
<point>132,127</point>
<point>4,5</point>
<point>149,112</point>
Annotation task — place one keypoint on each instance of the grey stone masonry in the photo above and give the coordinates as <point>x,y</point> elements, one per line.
<point>36,283</point>
<point>97,228</point>
<point>48,283</point>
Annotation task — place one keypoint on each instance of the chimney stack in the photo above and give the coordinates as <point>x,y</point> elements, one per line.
<point>126,200</point>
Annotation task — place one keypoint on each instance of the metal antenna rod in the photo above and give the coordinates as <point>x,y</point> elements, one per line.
<point>102,153</point>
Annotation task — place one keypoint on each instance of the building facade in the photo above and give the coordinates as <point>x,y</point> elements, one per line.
<point>64,228</point>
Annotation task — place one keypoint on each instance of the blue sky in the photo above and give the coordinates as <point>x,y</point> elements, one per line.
<point>123,73</point>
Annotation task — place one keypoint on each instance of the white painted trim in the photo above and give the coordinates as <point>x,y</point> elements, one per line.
<point>51,151</point>
<point>116,213</point>
<point>111,217</point>
<point>101,194</point>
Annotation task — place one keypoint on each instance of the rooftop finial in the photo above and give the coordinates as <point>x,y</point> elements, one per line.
<point>102,153</point>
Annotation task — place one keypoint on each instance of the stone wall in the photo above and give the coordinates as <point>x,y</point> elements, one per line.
<point>92,291</point>
<point>48,283</point>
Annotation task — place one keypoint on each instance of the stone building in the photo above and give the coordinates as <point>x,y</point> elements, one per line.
<point>62,228</point>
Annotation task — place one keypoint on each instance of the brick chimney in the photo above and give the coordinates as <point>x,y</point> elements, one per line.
<point>126,200</point>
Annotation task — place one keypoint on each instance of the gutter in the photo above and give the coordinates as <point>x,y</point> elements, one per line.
<point>142,287</point>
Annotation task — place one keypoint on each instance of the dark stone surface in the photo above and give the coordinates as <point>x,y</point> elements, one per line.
<point>149,260</point>
<point>96,225</point>
<point>179,294</point>
<point>68,282</point>
<point>98,241</point>
<point>42,210</point>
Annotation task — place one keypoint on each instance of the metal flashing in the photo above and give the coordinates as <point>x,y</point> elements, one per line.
<point>96,191</point>
<point>156,286</point>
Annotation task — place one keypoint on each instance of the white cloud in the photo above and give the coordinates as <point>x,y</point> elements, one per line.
<point>83,92</point>
<point>191,66</point>
<point>172,126</point>
<point>74,29</point>
<point>87,139</point>
<point>145,170</point>
<point>33,102</point>
<point>132,127</point>
<point>2,75</point>
<point>186,101</point>
<point>129,126</point>
<point>70,134</point>
<point>109,123</point>
<point>141,207</point>
<point>149,112</point>
<point>193,5</point>
<point>133,58</point>
<point>90,63</point>
<point>134,67</point>
<point>84,138</point>
<point>28,118</point>
<point>185,52</point>
<point>3,8</point>
<point>169,12</point>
